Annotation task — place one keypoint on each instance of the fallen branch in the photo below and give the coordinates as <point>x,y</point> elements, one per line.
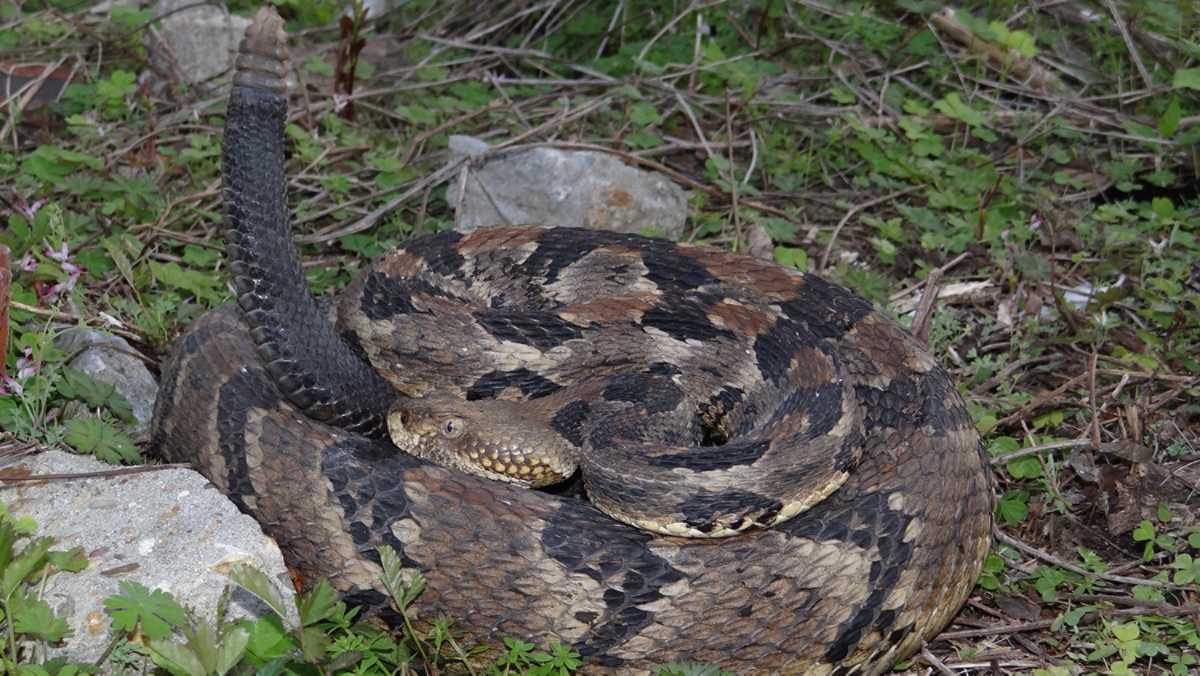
<point>1003,58</point>
<point>121,471</point>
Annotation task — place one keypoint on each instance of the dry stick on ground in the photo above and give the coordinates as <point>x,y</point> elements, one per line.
<point>923,319</point>
<point>1041,401</point>
<point>1076,443</point>
<point>63,316</point>
<point>10,480</point>
<point>450,124</point>
<point>687,110</point>
<point>921,284</point>
<point>857,208</point>
<point>5,297</point>
<point>733,191</point>
<point>937,664</point>
<point>1133,54</point>
<point>1144,610</point>
<point>1003,58</point>
<point>370,219</point>
<point>1052,559</point>
<point>1092,402</point>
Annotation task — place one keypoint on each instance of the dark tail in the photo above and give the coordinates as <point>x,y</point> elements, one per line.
<point>312,365</point>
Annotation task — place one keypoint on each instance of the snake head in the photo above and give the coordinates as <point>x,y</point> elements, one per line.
<point>493,439</point>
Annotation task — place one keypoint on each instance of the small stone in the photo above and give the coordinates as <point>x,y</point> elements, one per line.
<point>97,622</point>
<point>578,189</point>
<point>228,563</point>
<point>112,360</point>
<point>102,503</point>
<point>197,40</point>
<point>128,541</point>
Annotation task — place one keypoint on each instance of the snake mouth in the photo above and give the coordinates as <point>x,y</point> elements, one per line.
<point>440,428</point>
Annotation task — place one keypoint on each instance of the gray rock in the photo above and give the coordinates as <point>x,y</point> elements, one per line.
<point>581,189</point>
<point>117,367</point>
<point>167,529</point>
<point>197,41</point>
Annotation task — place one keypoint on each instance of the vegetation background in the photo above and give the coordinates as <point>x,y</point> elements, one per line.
<point>1036,161</point>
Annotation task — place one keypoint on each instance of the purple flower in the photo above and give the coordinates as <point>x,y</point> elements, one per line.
<point>60,255</point>
<point>30,210</point>
<point>10,385</point>
<point>73,271</point>
<point>26,366</point>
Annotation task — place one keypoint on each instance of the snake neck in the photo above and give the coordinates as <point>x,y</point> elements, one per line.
<point>314,368</point>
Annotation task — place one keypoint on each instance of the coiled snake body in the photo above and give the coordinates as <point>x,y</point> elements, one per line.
<point>284,412</point>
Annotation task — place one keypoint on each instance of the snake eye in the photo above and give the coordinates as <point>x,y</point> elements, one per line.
<point>452,428</point>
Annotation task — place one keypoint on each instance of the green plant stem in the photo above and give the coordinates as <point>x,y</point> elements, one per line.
<point>9,666</point>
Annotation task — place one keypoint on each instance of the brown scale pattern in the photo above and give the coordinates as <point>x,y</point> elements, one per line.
<point>851,586</point>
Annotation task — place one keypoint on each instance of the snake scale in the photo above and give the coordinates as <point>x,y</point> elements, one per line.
<point>283,408</point>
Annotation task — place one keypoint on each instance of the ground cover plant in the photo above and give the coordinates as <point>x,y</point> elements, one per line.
<point>1036,162</point>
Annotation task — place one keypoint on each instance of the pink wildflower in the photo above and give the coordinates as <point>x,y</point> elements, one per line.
<point>30,210</point>
<point>60,255</point>
<point>73,271</point>
<point>111,320</point>
<point>10,385</point>
<point>26,366</point>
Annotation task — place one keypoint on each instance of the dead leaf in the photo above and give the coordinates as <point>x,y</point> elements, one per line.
<point>1019,607</point>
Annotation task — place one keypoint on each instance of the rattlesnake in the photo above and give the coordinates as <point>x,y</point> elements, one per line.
<point>285,412</point>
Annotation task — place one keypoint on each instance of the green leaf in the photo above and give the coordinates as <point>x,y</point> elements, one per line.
<point>1125,632</point>
<point>953,107</point>
<point>1169,122</point>
<point>317,604</point>
<point>94,437</point>
<point>791,256</point>
<point>1136,129</point>
<point>1071,617</point>
<point>176,658</point>
<point>1012,507</point>
<point>36,620</point>
<point>203,644</point>
<point>319,67</point>
<point>269,639</point>
<point>95,393</point>
<point>393,579</point>
<point>233,646</point>
<point>644,140</point>
<point>31,558</point>
<point>120,259</point>
<point>117,86</point>
<point>1027,467</point>
<point>19,226</point>
<point>644,113</point>
<point>1164,513</point>
<point>53,164</point>
<point>313,643</point>
<point>8,533</point>
<point>1188,78</point>
<point>717,163</point>
<point>417,114</point>
<point>198,283</point>
<point>155,611</point>
<point>274,667</point>
<point>71,561</point>
<point>1144,532</point>
<point>1019,40</point>
<point>256,582</point>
